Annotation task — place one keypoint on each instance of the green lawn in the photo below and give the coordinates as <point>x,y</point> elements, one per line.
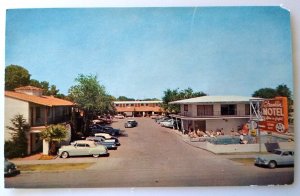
<point>54,167</point>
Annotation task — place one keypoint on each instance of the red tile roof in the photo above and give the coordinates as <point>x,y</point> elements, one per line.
<point>43,100</point>
<point>28,88</point>
<point>139,109</point>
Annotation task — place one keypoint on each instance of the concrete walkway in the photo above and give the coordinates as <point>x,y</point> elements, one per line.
<point>202,145</point>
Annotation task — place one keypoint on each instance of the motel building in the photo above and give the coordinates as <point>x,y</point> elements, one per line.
<point>38,111</point>
<point>213,113</point>
<point>138,108</point>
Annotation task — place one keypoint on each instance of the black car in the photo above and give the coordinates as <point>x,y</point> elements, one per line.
<point>103,129</point>
<point>130,123</point>
<point>10,169</point>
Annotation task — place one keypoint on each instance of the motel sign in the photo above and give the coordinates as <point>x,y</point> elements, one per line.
<point>274,115</point>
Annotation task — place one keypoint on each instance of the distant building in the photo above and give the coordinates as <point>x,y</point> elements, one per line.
<point>213,112</point>
<point>37,109</point>
<point>138,108</point>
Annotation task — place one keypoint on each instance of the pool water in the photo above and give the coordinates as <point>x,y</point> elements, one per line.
<point>223,140</point>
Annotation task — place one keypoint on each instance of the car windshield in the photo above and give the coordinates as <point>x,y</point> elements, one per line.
<point>278,152</point>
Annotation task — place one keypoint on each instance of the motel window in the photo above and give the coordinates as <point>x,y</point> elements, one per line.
<point>38,112</point>
<point>247,109</point>
<point>117,105</point>
<point>142,104</point>
<point>228,109</point>
<point>146,104</point>
<point>127,104</point>
<point>48,111</point>
<point>205,110</point>
<point>185,107</point>
<point>132,104</point>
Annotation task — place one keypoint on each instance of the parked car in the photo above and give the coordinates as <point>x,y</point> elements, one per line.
<point>279,157</point>
<point>119,116</point>
<point>110,144</point>
<point>10,169</point>
<point>103,129</point>
<point>167,123</point>
<point>82,148</point>
<point>106,136</point>
<point>130,123</point>
<point>162,119</point>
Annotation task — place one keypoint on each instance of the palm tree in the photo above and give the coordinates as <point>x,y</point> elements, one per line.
<point>54,134</point>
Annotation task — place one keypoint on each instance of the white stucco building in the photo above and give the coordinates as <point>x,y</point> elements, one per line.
<point>139,108</point>
<point>213,112</point>
<point>38,110</point>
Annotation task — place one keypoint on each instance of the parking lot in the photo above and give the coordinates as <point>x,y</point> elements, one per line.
<point>151,155</point>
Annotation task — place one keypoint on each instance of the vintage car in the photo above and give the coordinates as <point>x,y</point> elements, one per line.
<point>167,123</point>
<point>130,123</point>
<point>106,136</point>
<point>103,129</point>
<point>110,143</point>
<point>82,148</point>
<point>119,116</point>
<point>10,169</point>
<point>279,157</point>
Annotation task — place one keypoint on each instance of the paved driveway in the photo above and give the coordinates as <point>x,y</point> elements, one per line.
<point>151,155</point>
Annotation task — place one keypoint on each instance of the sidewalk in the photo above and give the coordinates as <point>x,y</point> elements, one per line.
<point>34,159</point>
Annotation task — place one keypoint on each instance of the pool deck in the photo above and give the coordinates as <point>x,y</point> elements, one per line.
<point>239,150</point>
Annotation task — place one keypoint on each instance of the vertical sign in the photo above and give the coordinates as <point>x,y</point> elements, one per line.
<point>275,115</point>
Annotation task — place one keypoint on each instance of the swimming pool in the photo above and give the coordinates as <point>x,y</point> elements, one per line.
<point>223,140</point>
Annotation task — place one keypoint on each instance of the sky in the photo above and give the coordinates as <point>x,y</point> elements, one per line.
<point>141,52</point>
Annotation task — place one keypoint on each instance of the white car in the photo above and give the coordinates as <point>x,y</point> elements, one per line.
<point>82,148</point>
<point>119,116</point>
<point>168,123</point>
<point>106,136</point>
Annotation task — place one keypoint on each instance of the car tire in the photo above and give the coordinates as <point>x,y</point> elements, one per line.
<point>272,164</point>
<point>96,155</point>
<point>64,155</point>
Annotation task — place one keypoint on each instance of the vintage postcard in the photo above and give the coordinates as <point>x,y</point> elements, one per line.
<point>148,97</point>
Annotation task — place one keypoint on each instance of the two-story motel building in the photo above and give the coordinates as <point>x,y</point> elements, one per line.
<point>37,109</point>
<point>138,108</point>
<point>213,112</point>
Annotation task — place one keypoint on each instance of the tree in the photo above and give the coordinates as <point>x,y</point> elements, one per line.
<point>19,132</point>
<point>281,90</point>
<point>53,91</point>
<point>16,76</point>
<point>151,99</point>
<point>90,96</point>
<point>35,83</point>
<point>123,98</point>
<point>54,134</point>
<point>174,95</point>
<point>265,93</point>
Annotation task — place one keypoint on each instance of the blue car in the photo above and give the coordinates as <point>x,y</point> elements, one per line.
<point>279,157</point>
<point>103,129</point>
<point>109,144</point>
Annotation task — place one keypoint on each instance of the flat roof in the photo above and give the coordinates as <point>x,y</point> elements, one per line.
<point>132,102</point>
<point>215,99</point>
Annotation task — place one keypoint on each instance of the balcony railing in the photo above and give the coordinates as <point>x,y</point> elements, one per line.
<point>214,114</point>
<point>56,120</point>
